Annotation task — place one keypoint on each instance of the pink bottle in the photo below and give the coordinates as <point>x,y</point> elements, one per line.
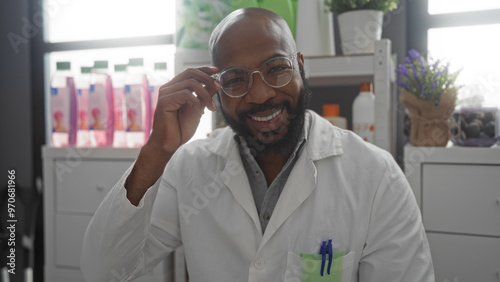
<point>101,107</point>
<point>118,79</point>
<point>159,77</point>
<point>63,106</point>
<point>137,104</point>
<point>82,84</point>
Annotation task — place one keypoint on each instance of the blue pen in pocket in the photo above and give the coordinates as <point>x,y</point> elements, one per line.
<point>329,251</point>
<point>322,251</point>
<point>326,248</point>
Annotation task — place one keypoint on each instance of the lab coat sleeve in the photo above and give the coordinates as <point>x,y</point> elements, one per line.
<point>396,248</point>
<point>123,241</point>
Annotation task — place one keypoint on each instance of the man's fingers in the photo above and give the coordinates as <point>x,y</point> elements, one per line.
<point>174,101</point>
<point>203,75</point>
<point>202,92</point>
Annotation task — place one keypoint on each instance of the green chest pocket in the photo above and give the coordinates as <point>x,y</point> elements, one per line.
<point>312,266</point>
<point>307,268</point>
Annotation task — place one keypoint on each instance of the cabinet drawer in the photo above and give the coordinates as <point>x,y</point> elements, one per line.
<point>70,230</point>
<point>465,258</point>
<point>461,198</point>
<point>82,188</point>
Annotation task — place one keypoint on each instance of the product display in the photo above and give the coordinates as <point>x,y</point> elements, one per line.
<point>159,77</point>
<point>331,112</point>
<point>101,107</point>
<point>363,113</point>
<point>82,83</point>
<point>118,79</point>
<point>63,106</point>
<point>97,108</point>
<point>137,104</point>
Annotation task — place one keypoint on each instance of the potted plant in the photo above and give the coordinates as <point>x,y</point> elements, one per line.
<point>360,22</point>
<point>429,92</point>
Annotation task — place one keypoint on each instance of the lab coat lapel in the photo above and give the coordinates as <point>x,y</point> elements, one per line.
<point>236,179</point>
<point>323,141</point>
<point>298,188</point>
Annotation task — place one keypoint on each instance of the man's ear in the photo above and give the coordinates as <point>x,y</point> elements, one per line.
<point>300,58</point>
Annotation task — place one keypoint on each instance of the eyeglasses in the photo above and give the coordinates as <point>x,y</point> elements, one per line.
<point>275,72</point>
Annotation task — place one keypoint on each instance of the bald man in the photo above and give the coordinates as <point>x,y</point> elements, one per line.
<point>279,195</point>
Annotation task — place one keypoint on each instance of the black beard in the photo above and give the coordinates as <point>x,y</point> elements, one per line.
<point>295,122</point>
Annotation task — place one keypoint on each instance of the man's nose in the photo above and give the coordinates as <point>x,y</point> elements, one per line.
<point>259,91</point>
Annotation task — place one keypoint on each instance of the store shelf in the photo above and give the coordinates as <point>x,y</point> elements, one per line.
<point>377,68</point>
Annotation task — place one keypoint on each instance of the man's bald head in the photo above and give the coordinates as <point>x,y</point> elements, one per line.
<point>247,19</point>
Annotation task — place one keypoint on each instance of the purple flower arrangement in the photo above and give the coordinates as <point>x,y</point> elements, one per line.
<point>425,80</point>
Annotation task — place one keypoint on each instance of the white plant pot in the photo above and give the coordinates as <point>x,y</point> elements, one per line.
<point>359,30</point>
<point>314,32</point>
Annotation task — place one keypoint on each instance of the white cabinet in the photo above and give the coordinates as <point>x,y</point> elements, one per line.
<point>458,191</point>
<point>75,182</point>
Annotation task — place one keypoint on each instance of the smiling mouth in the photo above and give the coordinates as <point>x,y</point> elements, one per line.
<point>267,118</point>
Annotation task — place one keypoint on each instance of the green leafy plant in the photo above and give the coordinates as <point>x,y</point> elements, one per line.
<point>341,6</point>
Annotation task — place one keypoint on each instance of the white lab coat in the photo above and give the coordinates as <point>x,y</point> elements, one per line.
<point>341,188</point>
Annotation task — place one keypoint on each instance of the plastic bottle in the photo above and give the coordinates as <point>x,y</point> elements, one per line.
<point>82,84</point>
<point>363,113</point>
<point>160,76</point>
<point>63,106</point>
<point>137,104</point>
<point>101,106</point>
<point>331,112</point>
<point>118,79</point>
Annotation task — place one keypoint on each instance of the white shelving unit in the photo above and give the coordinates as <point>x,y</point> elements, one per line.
<point>354,70</point>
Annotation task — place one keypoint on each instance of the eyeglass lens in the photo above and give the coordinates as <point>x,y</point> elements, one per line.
<point>276,72</point>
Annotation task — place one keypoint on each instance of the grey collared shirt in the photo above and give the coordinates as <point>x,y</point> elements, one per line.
<point>266,197</point>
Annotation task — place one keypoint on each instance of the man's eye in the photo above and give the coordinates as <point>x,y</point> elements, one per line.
<point>279,68</point>
<point>233,81</point>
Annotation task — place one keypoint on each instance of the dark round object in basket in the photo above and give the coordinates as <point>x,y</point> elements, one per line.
<point>472,130</point>
<point>488,116</point>
<point>479,122</point>
<point>469,117</point>
<point>489,129</point>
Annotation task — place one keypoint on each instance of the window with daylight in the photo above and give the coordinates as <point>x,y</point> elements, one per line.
<point>465,34</point>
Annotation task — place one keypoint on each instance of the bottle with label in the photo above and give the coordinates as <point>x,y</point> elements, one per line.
<point>63,106</point>
<point>363,113</point>
<point>101,107</point>
<point>118,79</point>
<point>82,84</point>
<point>159,77</point>
<point>331,112</point>
<point>137,104</point>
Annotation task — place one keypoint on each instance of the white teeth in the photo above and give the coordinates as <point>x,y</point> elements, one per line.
<point>268,117</point>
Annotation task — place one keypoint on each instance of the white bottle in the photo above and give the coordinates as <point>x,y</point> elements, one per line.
<point>137,104</point>
<point>331,112</point>
<point>63,106</point>
<point>363,113</point>
<point>82,83</point>
<point>159,77</point>
<point>118,79</point>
